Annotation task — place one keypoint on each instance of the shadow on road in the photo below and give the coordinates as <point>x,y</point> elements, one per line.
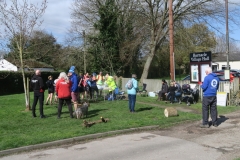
<point>221,119</point>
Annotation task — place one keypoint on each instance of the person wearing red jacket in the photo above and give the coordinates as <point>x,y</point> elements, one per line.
<point>63,90</point>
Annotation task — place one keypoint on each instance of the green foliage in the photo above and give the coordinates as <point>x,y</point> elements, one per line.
<point>12,82</point>
<point>197,38</point>
<point>115,47</point>
<point>41,47</point>
<point>108,35</point>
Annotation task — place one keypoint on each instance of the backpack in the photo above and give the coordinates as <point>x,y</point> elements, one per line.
<point>186,87</point>
<point>130,84</point>
<point>89,83</point>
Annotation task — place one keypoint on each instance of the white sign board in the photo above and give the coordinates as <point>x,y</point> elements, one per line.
<point>222,99</point>
<point>203,69</point>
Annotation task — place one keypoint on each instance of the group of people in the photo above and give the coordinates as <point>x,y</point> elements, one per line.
<point>69,88</point>
<point>171,92</point>
<point>209,86</point>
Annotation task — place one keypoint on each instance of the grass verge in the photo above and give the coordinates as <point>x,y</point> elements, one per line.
<point>18,128</point>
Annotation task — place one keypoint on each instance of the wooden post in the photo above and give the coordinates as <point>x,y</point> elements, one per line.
<point>172,69</point>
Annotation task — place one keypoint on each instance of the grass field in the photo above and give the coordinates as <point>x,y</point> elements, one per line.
<point>18,128</point>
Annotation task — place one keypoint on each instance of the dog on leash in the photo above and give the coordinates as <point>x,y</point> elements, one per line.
<point>78,113</point>
<point>82,110</point>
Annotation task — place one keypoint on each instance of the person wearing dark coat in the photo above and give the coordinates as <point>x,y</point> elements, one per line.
<point>164,90</point>
<point>171,91</point>
<point>38,89</point>
<point>50,85</point>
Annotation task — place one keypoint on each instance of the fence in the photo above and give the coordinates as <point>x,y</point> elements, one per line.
<point>155,85</point>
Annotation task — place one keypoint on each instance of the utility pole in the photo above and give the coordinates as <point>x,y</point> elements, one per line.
<point>172,68</point>
<point>227,34</point>
<point>84,52</point>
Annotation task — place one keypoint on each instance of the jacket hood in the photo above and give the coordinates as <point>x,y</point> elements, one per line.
<point>213,74</point>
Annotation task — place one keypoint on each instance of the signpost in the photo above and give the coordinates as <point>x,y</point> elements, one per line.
<point>222,99</point>
<point>199,61</point>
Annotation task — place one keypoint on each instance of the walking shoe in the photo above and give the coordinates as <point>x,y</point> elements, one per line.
<point>42,116</point>
<point>215,125</point>
<point>34,116</point>
<point>204,126</point>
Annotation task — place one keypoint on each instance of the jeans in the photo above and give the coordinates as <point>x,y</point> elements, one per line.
<point>131,102</point>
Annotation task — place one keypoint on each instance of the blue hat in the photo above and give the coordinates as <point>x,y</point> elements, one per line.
<point>72,68</point>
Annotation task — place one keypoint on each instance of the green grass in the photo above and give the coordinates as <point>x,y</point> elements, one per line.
<point>18,128</point>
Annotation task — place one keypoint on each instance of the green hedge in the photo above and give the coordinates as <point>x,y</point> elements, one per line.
<point>12,82</point>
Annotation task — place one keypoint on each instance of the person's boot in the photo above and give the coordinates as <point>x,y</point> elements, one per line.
<point>42,116</point>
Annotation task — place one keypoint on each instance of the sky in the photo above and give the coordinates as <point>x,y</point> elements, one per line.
<point>57,20</point>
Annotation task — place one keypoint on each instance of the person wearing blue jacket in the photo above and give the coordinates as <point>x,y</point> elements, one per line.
<point>209,86</point>
<point>132,92</point>
<point>74,89</point>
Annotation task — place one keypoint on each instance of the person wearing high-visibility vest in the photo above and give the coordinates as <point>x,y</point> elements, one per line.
<point>100,82</point>
<point>109,81</point>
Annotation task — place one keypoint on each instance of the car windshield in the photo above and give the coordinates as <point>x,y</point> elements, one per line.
<point>221,78</point>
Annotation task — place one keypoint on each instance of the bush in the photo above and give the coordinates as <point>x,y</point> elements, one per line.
<point>12,82</point>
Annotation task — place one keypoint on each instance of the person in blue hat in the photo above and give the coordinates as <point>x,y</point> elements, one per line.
<point>74,89</point>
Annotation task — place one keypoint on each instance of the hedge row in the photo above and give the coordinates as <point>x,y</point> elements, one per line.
<point>12,82</point>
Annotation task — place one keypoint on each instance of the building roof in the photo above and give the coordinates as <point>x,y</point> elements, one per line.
<point>222,57</point>
<point>7,66</point>
<point>31,63</point>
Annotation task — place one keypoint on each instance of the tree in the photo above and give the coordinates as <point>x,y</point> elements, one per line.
<point>196,38</point>
<point>221,45</point>
<point>150,20</point>
<point>113,42</point>
<point>156,18</point>
<point>108,35</point>
<point>41,46</point>
<point>19,20</point>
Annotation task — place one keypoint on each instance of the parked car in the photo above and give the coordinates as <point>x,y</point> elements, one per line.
<point>234,72</point>
<point>220,76</point>
<point>186,78</point>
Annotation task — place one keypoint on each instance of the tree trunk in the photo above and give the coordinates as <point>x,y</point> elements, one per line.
<point>146,68</point>
<point>152,47</point>
<point>24,79</point>
<point>170,112</point>
<point>25,91</point>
